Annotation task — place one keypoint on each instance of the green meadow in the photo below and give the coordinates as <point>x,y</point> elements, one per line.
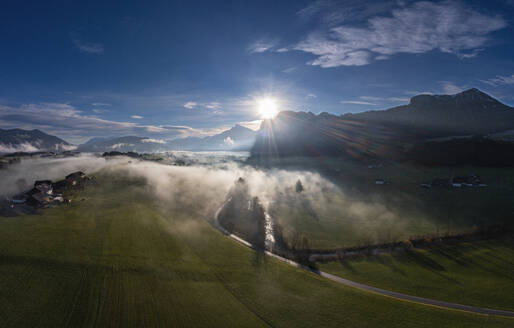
<point>118,256</point>
<point>480,273</point>
<point>363,213</point>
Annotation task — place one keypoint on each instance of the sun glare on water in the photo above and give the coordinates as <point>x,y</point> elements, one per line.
<point>267,108</point>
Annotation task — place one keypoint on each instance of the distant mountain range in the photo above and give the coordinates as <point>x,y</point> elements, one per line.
<point>387,133</point>
<point>18,140</point>
<point>237,138</point>
<point>428,123</point>
<point>122,144</point>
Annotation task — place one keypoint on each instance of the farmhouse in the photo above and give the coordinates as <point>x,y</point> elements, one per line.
<point>75,177</point>
<point>44,186</point>
<point>46,194</point>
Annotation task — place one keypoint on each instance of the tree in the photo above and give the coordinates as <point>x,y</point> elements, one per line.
<point>299,186</point>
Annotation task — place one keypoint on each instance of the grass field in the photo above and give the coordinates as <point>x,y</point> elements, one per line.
<point>121,258</point>
<point>340,221</point>
<point>479,273</point>
<point>362,212</point>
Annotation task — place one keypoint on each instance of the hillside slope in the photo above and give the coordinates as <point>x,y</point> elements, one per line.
<point>384,134</point>
<point>15,140</point>
<point>96,263</point>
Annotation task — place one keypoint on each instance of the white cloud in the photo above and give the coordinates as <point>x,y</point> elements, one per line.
<point>419,28</point>
<point>313,8</point>
<point>415,93</point>
<point>388,99</point>
<point>74,126</point>
<point>228,141</point>
<point>254,125</point>
<point>137,117</point>
<point>370,98</point>
<point>150,140</point>
<point>99,111</point>
<point>100,104</point>
<point>398,99</point>
<point>120,145</point>
<point>311,95</point>
<point>213,105</point>
<point>500,80</point>
<point>450,88</point>
<point>357,102</point>
<point>89,47</point>
<point>471,54</point>
<point>190,105</point>
<point>262,45</point>
<point>289,70</point>
<point>23,147</point>
<point>382,57</point>
<point>333,12</point>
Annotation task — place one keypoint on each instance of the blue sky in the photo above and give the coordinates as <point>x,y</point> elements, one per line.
<point>172,69</point>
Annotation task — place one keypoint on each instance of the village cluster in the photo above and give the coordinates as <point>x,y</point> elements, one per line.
<point>45,193</point>
<point>471,180</point>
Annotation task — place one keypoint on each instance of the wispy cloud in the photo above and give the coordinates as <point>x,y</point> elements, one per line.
<point>384,99</point>
<point>89,47</point>
<point>137,117</point>
<point>450,88</point>
<point>375,101</point>
<point>254,125</point>
<point>311,96</point>
<point>99,104</point>
<point>262,45</point>
<point>99,111</point>
<point>500,80</point>
<point>358,102</point>
<point>333,12</point>
<point>190,105</point>
<point>415,93</point>
<point>370,98</point>
<point>73,125</point>
<point>398,99</point>
<point>228,141</point>
<point>151,140</point>
<point>289,70</point>
<point>212,105</point>
<point>421,27</point>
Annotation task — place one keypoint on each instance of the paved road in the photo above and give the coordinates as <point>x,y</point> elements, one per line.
<point>380,291</point>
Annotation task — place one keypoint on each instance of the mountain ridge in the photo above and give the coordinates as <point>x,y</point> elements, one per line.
<point>20,140</point>
<point>236,138</point>
<point>469,112</point>
<point>385,133</point>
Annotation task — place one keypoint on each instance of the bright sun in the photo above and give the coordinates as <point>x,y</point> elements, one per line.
<point>267,108</point>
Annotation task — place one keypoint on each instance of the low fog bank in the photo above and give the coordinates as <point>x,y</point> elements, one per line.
<point>207,186</point>
<point>19,177</point>
<point>204,186</point>
<point>27,147</point>
<point>22,147</point>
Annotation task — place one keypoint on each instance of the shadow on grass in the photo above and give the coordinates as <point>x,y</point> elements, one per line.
<point>259,258</point>
<point>388,262</point>
<point>348,266</point>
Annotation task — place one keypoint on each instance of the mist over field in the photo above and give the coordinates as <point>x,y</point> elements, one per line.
<point>201,188</point>
<point>19,177</point>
